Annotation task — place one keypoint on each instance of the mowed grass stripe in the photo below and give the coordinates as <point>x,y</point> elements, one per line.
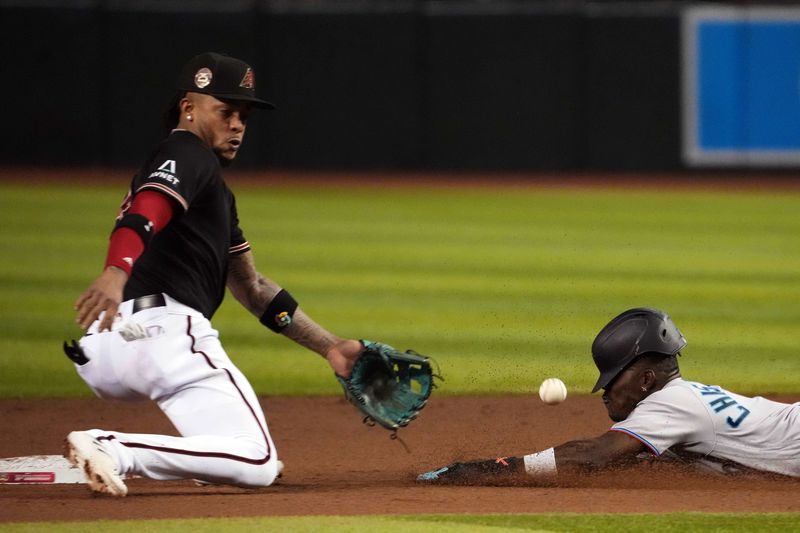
<point>567,522</point>
<point>502,286</point>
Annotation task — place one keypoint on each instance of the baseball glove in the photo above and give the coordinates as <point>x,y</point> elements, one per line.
<point>389,387</point>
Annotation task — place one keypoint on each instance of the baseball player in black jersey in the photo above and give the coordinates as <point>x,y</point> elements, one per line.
<point>175,247</point>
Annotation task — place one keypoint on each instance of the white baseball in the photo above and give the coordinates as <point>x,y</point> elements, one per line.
<point>552,391</point>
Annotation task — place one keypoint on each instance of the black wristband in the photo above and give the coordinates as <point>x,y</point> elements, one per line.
<point>279,312</point>
<point>138,223</point>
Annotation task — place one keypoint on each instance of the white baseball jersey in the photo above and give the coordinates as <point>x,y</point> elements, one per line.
<point>707,421</point>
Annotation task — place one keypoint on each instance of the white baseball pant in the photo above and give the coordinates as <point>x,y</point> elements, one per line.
<point>173,356</point>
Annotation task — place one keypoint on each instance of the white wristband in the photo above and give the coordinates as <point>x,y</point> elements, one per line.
<point>541,463</point>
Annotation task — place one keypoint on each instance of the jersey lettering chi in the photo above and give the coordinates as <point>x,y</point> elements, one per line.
<point>721,402</point>
<point>706,421</point>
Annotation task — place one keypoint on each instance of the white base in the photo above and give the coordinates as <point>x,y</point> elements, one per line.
<point>39,469</point>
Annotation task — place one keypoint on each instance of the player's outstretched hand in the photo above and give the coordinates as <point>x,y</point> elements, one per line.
<point>473,472</point>
<point>103,295</point>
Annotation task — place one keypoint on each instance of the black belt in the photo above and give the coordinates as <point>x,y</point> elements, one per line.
<point>148,302</point>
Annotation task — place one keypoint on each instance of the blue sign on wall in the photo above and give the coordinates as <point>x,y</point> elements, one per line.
<point>741,86</point>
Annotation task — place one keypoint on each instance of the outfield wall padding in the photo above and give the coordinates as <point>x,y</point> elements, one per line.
<point>510,86</point>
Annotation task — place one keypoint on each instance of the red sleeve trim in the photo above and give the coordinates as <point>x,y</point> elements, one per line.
<point>239,248</point>
<point>166,190</point>
<point>638,437</point>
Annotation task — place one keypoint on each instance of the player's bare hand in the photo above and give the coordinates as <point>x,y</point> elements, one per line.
<point>104,294</point>
<point>342,355</point>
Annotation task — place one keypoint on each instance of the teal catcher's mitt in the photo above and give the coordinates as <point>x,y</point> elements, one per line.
<point>389,387</point>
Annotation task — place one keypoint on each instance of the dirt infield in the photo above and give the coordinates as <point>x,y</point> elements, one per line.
<point>335,465</point>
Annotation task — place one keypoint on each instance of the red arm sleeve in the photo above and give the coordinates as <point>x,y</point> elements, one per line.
<point>126,246</point>
<point>156,207</point>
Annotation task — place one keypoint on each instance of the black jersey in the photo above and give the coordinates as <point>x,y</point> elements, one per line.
<point>187,259</point>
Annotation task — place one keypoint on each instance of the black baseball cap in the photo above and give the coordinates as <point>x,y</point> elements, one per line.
<point>221,76</point>
<point>633,333</point>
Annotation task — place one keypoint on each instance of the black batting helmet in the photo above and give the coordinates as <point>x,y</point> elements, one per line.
<point>631,334</point>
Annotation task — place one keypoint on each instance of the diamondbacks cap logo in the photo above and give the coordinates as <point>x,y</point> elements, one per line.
<point>202,78</point>
<point>249,80</point>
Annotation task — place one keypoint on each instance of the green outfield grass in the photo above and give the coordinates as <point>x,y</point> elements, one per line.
<point>504,287</point>
<point>495,523</point>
